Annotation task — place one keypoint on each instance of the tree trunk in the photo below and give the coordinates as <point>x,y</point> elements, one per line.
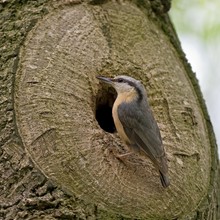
<point>58,141</point>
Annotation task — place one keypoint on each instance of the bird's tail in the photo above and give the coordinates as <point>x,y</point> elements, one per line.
<point>164,179</point>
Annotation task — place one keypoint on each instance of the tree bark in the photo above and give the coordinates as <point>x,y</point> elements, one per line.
<point>58,141</point>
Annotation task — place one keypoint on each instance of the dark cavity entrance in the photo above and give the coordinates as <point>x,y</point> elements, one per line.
<point>104,103</point>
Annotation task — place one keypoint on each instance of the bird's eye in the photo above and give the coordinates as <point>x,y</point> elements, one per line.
<point>120,80</point>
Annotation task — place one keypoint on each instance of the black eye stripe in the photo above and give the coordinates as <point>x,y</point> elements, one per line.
<point>120,80</point>
<point>130,83</point>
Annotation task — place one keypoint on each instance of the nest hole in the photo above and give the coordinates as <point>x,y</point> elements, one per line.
<point>104,104</point>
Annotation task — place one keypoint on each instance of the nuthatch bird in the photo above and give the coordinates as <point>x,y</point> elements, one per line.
<point>135,122</point>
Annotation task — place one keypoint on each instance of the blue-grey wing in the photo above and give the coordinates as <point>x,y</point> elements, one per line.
<point>141,128</point>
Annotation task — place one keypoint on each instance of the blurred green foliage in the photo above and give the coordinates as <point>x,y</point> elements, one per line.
<point>197,23</point>
<point>199,17</point>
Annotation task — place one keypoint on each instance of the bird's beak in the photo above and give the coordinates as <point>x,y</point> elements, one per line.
<point>105,79</point>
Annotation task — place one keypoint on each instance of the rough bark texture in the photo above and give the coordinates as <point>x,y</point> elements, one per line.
<point>55,160</point>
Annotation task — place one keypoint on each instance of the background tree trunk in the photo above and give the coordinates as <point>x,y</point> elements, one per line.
<point>58,141</point>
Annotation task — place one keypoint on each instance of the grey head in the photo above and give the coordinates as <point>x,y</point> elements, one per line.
<point>125,84</point>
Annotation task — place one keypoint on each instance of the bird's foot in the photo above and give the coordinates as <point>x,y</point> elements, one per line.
<point>120,156</point>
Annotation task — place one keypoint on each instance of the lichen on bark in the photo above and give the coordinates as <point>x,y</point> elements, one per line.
<point>56,97</point>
